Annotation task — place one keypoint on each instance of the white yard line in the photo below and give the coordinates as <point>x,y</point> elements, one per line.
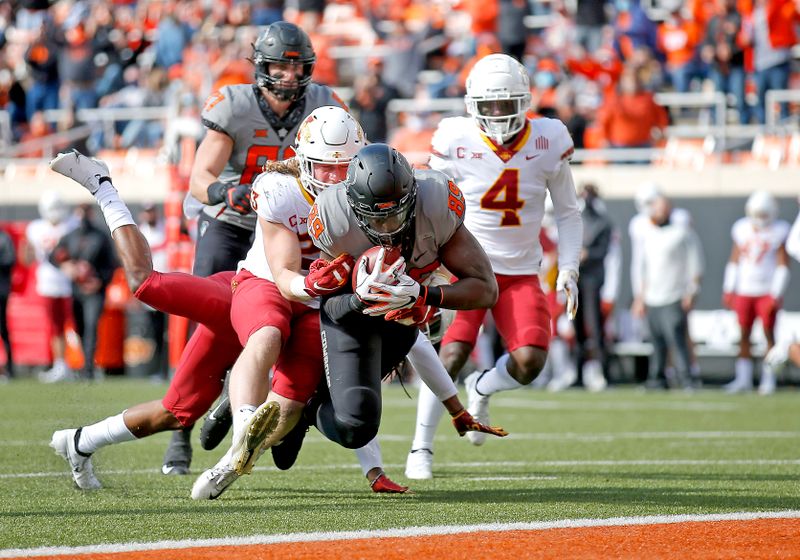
<point>407,532</point>
<point>454,465</point>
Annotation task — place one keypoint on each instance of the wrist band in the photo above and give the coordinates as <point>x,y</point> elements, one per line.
<point>433,296</point>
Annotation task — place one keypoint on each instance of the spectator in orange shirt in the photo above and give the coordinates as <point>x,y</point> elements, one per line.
<point>677,38</point>
<point>630,117</point>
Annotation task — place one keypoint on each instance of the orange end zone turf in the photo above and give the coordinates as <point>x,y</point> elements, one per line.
<point>760,538</point>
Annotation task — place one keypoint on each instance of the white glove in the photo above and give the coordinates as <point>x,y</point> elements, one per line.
<point>375,287</point>
<point>567,282</point>
<point>388,297</point>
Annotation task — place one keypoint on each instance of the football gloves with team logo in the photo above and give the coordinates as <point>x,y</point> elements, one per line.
<point>327,277</point>
<point>384,290</point>
<point>464,422</point>
<point>235,197</point>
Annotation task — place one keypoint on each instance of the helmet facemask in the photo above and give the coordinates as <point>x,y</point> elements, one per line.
<point>499,118</point>
<point>276,83</point>
<point>283,43</point>
<point>386,226</point>
<point>329,137</point>
<point>498,96</point>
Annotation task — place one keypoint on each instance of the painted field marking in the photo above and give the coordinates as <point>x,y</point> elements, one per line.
<point>398,533</point>
<point>467,464</point>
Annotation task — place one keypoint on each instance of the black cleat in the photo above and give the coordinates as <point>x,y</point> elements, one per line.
<point>285,453</point>
<point>216,424</point>
<point>178,456</point>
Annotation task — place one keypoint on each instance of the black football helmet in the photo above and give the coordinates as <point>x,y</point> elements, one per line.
<point>283,42</point>
<point>382,191</point>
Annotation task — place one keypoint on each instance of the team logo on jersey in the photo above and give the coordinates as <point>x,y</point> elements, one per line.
<point>541,143</point>
<point>461,153</point>
<point>260,133</point>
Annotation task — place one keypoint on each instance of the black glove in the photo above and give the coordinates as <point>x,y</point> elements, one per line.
<point>236,197</point>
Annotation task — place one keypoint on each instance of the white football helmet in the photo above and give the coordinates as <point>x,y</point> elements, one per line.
<point>330,136</point>
<point>645,195</point>
<point>52,207</point>
<point>498,96</point>
<point>761,208</point>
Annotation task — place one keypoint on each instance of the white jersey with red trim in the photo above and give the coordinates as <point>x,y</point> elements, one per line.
<point>280,199</point>
<point>505,188</point>
<point>43,237</point>
<point>758,254</point>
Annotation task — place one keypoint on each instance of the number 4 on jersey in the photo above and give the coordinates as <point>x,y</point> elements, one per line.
<point>503,196</point>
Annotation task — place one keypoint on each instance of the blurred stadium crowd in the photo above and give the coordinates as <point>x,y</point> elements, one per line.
<point>594,64</point>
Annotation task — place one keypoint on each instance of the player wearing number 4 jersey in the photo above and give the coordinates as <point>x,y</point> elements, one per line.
<point>247,126</point>
<point>504,165</point>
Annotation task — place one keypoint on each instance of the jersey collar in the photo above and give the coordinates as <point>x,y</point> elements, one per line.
<point>505,153</point>
<point>305,193</point>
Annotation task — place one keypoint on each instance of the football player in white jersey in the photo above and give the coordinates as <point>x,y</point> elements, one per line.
<point>756,277</point>
<point>788,348</point>
<point>504,163</point>
<point>206,301</point>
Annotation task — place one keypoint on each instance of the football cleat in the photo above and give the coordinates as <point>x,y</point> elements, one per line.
<point>248,445</point>
<point>178,455</point>
<point>217,424</point>
<point>385,485</point>
<point>212,483</point>
<point>65,443</point>
<point>778,356</point>
<point>89,172</point>
<point>477,406</point>
<point>419,464</point>
<point>284,454</point>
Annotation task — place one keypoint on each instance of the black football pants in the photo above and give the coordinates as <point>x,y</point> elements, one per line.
<point>358,352</point>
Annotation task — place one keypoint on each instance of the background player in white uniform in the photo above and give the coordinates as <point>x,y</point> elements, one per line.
<point>247,126</point>
<point>756,278</point>
<point>504,164</point>
<point>54,286</point>
<point>787,349</point>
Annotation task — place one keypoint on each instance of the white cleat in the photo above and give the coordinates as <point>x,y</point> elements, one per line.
<point>477,406</point>
<point>592,376</point>
<point>738,386</point>
<point>65,444</point>
<point>248,446</point>
<point>778,356</point>
<point>563,380</point>
<point>419,465</point>
<point>57,374</point>
<point>212,483</point>
<point>81,169</point>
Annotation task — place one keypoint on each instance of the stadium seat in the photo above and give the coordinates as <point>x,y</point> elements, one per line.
<point>691,153</point>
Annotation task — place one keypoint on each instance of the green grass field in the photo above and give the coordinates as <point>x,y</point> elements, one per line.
<point>570,455</point>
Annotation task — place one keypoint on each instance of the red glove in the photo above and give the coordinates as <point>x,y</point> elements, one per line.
<point>385,485</point>
<point>729,300</point>
<point>464,422</point>
<point>416,315</point>
<point>325,278</point>
<point>238,198</point>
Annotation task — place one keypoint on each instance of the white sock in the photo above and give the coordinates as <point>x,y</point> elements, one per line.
<point>240,417</point>
<point>767,373</point>
<point>429,413</point>
<point>744,371</point>
<point>497,378</point>
<point>59,363</point>
<point>114,210</point>
<point>108,431</point>
<point>369,456</point>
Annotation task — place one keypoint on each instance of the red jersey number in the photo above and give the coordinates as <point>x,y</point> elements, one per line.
<point>503,197</point>
<point>258,156</point>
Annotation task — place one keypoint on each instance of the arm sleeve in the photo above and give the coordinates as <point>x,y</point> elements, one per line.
<point>568,218</point>
<point>342,305</point>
